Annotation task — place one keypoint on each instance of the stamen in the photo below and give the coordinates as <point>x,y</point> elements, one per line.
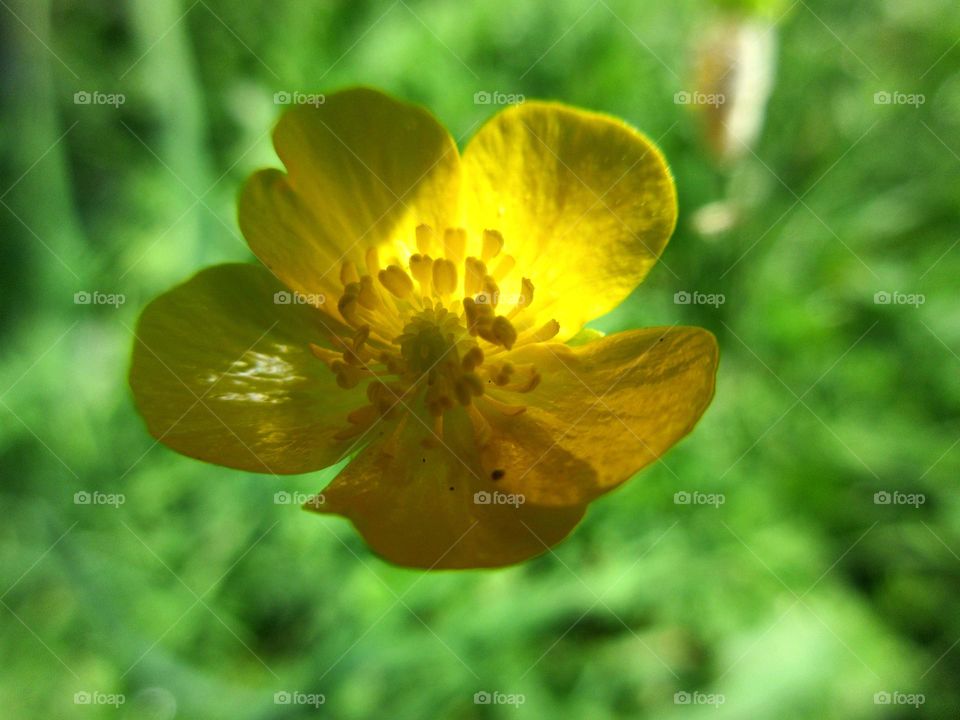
<point>367,294</point>
<point>492,245</point>
<point>373,261</point>
<point>462,391</point>
<point>348,376</point>
<point>522,379</point>
<point>444,276</point>
<point>473,358</point>
<point>421,266</point>
<point>500,374</point>
<point>468,386</point>
<point>545,332</point>
<point>500,332</point>
<point>364,415</point>
<point>524,299</point>
<point>414,322</point>
<point>374,390</point>
<point>505,408</point>
<point>326,356</point>
<point>360,338</point>
<point>476,270</point>
<point>348,273</point>
<point>396,281</point>
<point>479,317</point>
<point>348,307</point>
<point>491,290</point>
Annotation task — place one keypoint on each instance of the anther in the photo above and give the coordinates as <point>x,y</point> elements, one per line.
<point>504,331</point>
<point>472,359</point>
<point>367,294</point>
<point>348,307</point>
<point>328,357</point>
<point>348,375</point>
<point>526,293</point>
<point>545,332</point>
<point>396,281</point>
<point>501,374</point>
<point>348,273</point>
<point>373,261</point>
<point>492,245</point>
<point>360,338</point>
<point>499,332</point>
<point>491,290</point>
<point>364,415</point>
<point>444,276</point>
<point>503,407</point>
<point>421,266</point>
<point>475,270</point>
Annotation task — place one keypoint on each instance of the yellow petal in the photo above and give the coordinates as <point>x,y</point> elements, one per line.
<point>584,202</point>
<point>222,372</point>
<point>602,411</point>
<point>363,170</point>
<point>415,500</point>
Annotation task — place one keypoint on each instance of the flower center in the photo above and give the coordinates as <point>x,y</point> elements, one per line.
<point>433,326</point>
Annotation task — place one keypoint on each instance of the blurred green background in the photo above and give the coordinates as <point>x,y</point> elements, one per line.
<point>801,596</point>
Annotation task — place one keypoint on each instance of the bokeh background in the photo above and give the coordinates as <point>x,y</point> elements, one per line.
<point>802,595</point>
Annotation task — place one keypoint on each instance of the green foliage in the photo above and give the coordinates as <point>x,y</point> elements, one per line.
<point>798,597</point>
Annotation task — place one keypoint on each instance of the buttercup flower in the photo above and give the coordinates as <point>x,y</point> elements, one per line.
<point>413,310</point>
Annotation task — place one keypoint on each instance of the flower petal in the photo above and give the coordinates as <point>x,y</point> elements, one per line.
<point>223,373</point>
<point>364,170</point>
<point>602,411</point>
<point>415,501</point>
<point>584,202</point>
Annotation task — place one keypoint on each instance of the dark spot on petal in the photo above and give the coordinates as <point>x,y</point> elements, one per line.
<point>451,488</point>
<point>497,474</point>
<point>423,459</point>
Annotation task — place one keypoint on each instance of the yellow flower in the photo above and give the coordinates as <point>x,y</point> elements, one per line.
<point>413,311</point>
